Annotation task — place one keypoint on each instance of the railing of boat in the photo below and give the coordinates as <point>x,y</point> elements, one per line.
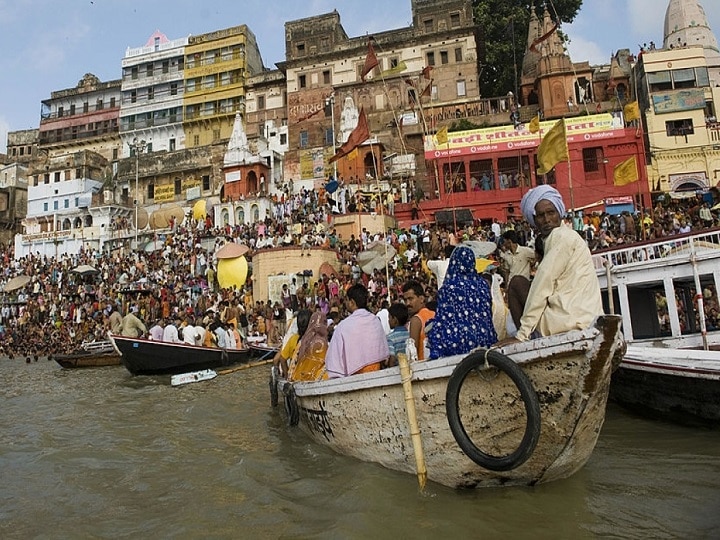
<point>667,247</point>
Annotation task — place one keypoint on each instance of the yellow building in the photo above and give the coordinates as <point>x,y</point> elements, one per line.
<point>217,65</point>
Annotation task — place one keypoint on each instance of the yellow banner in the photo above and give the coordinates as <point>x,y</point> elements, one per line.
<point>165,193</point>
<point>188,183</point>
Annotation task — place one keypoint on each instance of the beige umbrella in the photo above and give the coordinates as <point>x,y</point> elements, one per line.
<point>85,269</point>
<point>18,282</point>
<point>232,250</point>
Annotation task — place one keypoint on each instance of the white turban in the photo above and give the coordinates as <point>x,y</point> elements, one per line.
<point>535,195</point>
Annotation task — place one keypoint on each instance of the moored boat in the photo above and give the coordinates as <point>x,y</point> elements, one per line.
<point>96,354</point>
<point>525,414</point>
<point>147,357</point>
<point>666,293</point>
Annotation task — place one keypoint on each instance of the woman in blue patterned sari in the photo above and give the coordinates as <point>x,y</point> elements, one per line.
<point>463,318</point>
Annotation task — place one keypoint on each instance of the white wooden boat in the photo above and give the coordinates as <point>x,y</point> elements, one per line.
<point>682,273</point>
<point>529,417</point>
<point>673,384</point>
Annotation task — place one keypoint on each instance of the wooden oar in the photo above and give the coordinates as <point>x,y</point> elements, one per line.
<point>244,366</point>
<point>405,377</point>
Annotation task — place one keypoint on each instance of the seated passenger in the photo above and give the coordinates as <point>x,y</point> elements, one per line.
<point>463,317</point>
<point>286,353</point>
<point>308,363</point>
<point>358,344</point>
<point>399,333</point>
<point>565,292</point>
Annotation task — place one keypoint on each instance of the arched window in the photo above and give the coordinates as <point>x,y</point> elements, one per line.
<point>240,216</point>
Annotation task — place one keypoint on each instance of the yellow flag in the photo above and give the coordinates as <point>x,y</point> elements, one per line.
<point>534,125</point>
<point>626,172</point>
<point>553,148</point>
<point>353,154</point>
<point>402,66</point>
<point>442,136</point>
<point>632,111</point>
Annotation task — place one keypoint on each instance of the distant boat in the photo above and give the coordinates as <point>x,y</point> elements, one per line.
<point>147,357</point>
<point>664,290</point>
<point>95,354</point>
<point>525,414</point>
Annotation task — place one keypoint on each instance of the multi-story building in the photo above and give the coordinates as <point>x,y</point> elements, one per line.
<point>217,65</point>
<point>152,95</point>
<point>679,92</point>
<point>13,200</point>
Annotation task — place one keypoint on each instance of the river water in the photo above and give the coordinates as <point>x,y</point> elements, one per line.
<point>100,454</point>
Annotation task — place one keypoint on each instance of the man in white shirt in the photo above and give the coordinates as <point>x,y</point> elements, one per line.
<point>170,333</point>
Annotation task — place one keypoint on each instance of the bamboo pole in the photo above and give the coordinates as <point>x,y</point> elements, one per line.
<point>244,366</point>
<point>405,377</point>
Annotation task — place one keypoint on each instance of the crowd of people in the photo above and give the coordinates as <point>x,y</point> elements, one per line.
<point>173,294</point>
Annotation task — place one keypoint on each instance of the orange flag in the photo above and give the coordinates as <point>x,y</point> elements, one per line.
<point>359,135</point>
<point>371,60</point>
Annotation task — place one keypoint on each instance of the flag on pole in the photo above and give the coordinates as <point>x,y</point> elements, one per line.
<point>534,125</point>
<point>399,68</point>
<point>553,148</point>
<point>358,136</point>
<point>427,90</point>
<point>371,60</point>
<point>632,111</point>
<point>442,136</point>
<point>545,36</point>
<point>626,172</point>
<point>426,72</point>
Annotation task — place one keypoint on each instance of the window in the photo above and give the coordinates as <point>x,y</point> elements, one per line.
<point>326,76</point>
<point>134,72</point>
<point>149,70</point>
<point>461,88</point>
<point>428,25</point>
<point>196,140</point>
<point>99,105</point>
<point>178,186</point>
<point>151,93</point>
<point>206,182</point>
<point>165,66</point>
<point>303,139</point>
<point>72,110</point>
<point>86,107</point>
<point>261,102</point>
<point>46,179</point>
<point>151,191</point>
<point>112,103</point>
<point>56,177</point>
<point>45,207</point>
<point>302,81</point>
<point>77,202</point>
<point>454,20</point>
<point>133,96</point>
<point>78,173</point>
<point>172,145</point>
<point>328,137</point>
<point>300,49</point>
<point>283,138</point>
<point>659,81</point>
<point>216,135</point>
<point>173,89</point>
<point>682,127</point>
<point>55,205</point>
<point>67,203</point>
<point>458,54</point>
<point>444,57</point>
<point>430,58</point>
<point>592,158</point>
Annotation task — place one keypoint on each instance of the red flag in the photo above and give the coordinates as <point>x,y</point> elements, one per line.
<point>409,82</point>
<point>371,60</point>
<point>400,125</point>
<point>309,115</point>
<point>538,41</point>
<point>427,89</point>
<point>426,72</point>
<point>358,136</point>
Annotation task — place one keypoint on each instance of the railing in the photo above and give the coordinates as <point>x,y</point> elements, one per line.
<point>665,248</point>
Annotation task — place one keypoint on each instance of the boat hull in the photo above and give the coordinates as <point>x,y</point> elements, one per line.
<point>146,357</point>
<point>87,359</point>
<point>682,386</point>
<point>364,416</point>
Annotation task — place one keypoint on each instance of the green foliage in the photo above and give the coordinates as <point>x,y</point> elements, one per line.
<point>502,34</point>
<point>463,125</point>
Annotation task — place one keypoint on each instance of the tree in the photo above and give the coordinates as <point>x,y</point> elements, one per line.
<point>502,38</point>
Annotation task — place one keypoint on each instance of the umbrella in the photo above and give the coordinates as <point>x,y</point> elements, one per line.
<point>375,256</point>
<point>85,270</point>
<point>481,249</point>
<point>331,186</point>
<point>200,210</point>
<point>716,207</point>
<point>232,250</point>
<point>17,282</point>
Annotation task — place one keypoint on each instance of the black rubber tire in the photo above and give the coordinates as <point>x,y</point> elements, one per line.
<point>273,389</point>
<point>529,397</point>
<point>224,359</point>
<point>291,406</point>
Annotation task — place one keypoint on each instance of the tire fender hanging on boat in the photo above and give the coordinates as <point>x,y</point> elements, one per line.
<point>474,360</point>
<point>273,387</point>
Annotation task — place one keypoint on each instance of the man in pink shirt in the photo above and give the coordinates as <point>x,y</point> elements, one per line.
<point>358,344</point>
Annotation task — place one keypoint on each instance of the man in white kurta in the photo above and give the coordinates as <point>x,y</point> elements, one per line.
<point>565,293</point>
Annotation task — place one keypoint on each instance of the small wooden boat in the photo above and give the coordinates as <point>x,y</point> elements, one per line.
<point>263,350</point>
<point>681,385</point>
<point>525,414</point>
<point>147,357</point>
<point>95,354</point>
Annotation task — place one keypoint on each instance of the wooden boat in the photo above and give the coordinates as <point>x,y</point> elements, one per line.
<point>147,357</point>
<point>665,291</point>
<point>682,385</point>
<point>529,417</point>
<point>95,354</point>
